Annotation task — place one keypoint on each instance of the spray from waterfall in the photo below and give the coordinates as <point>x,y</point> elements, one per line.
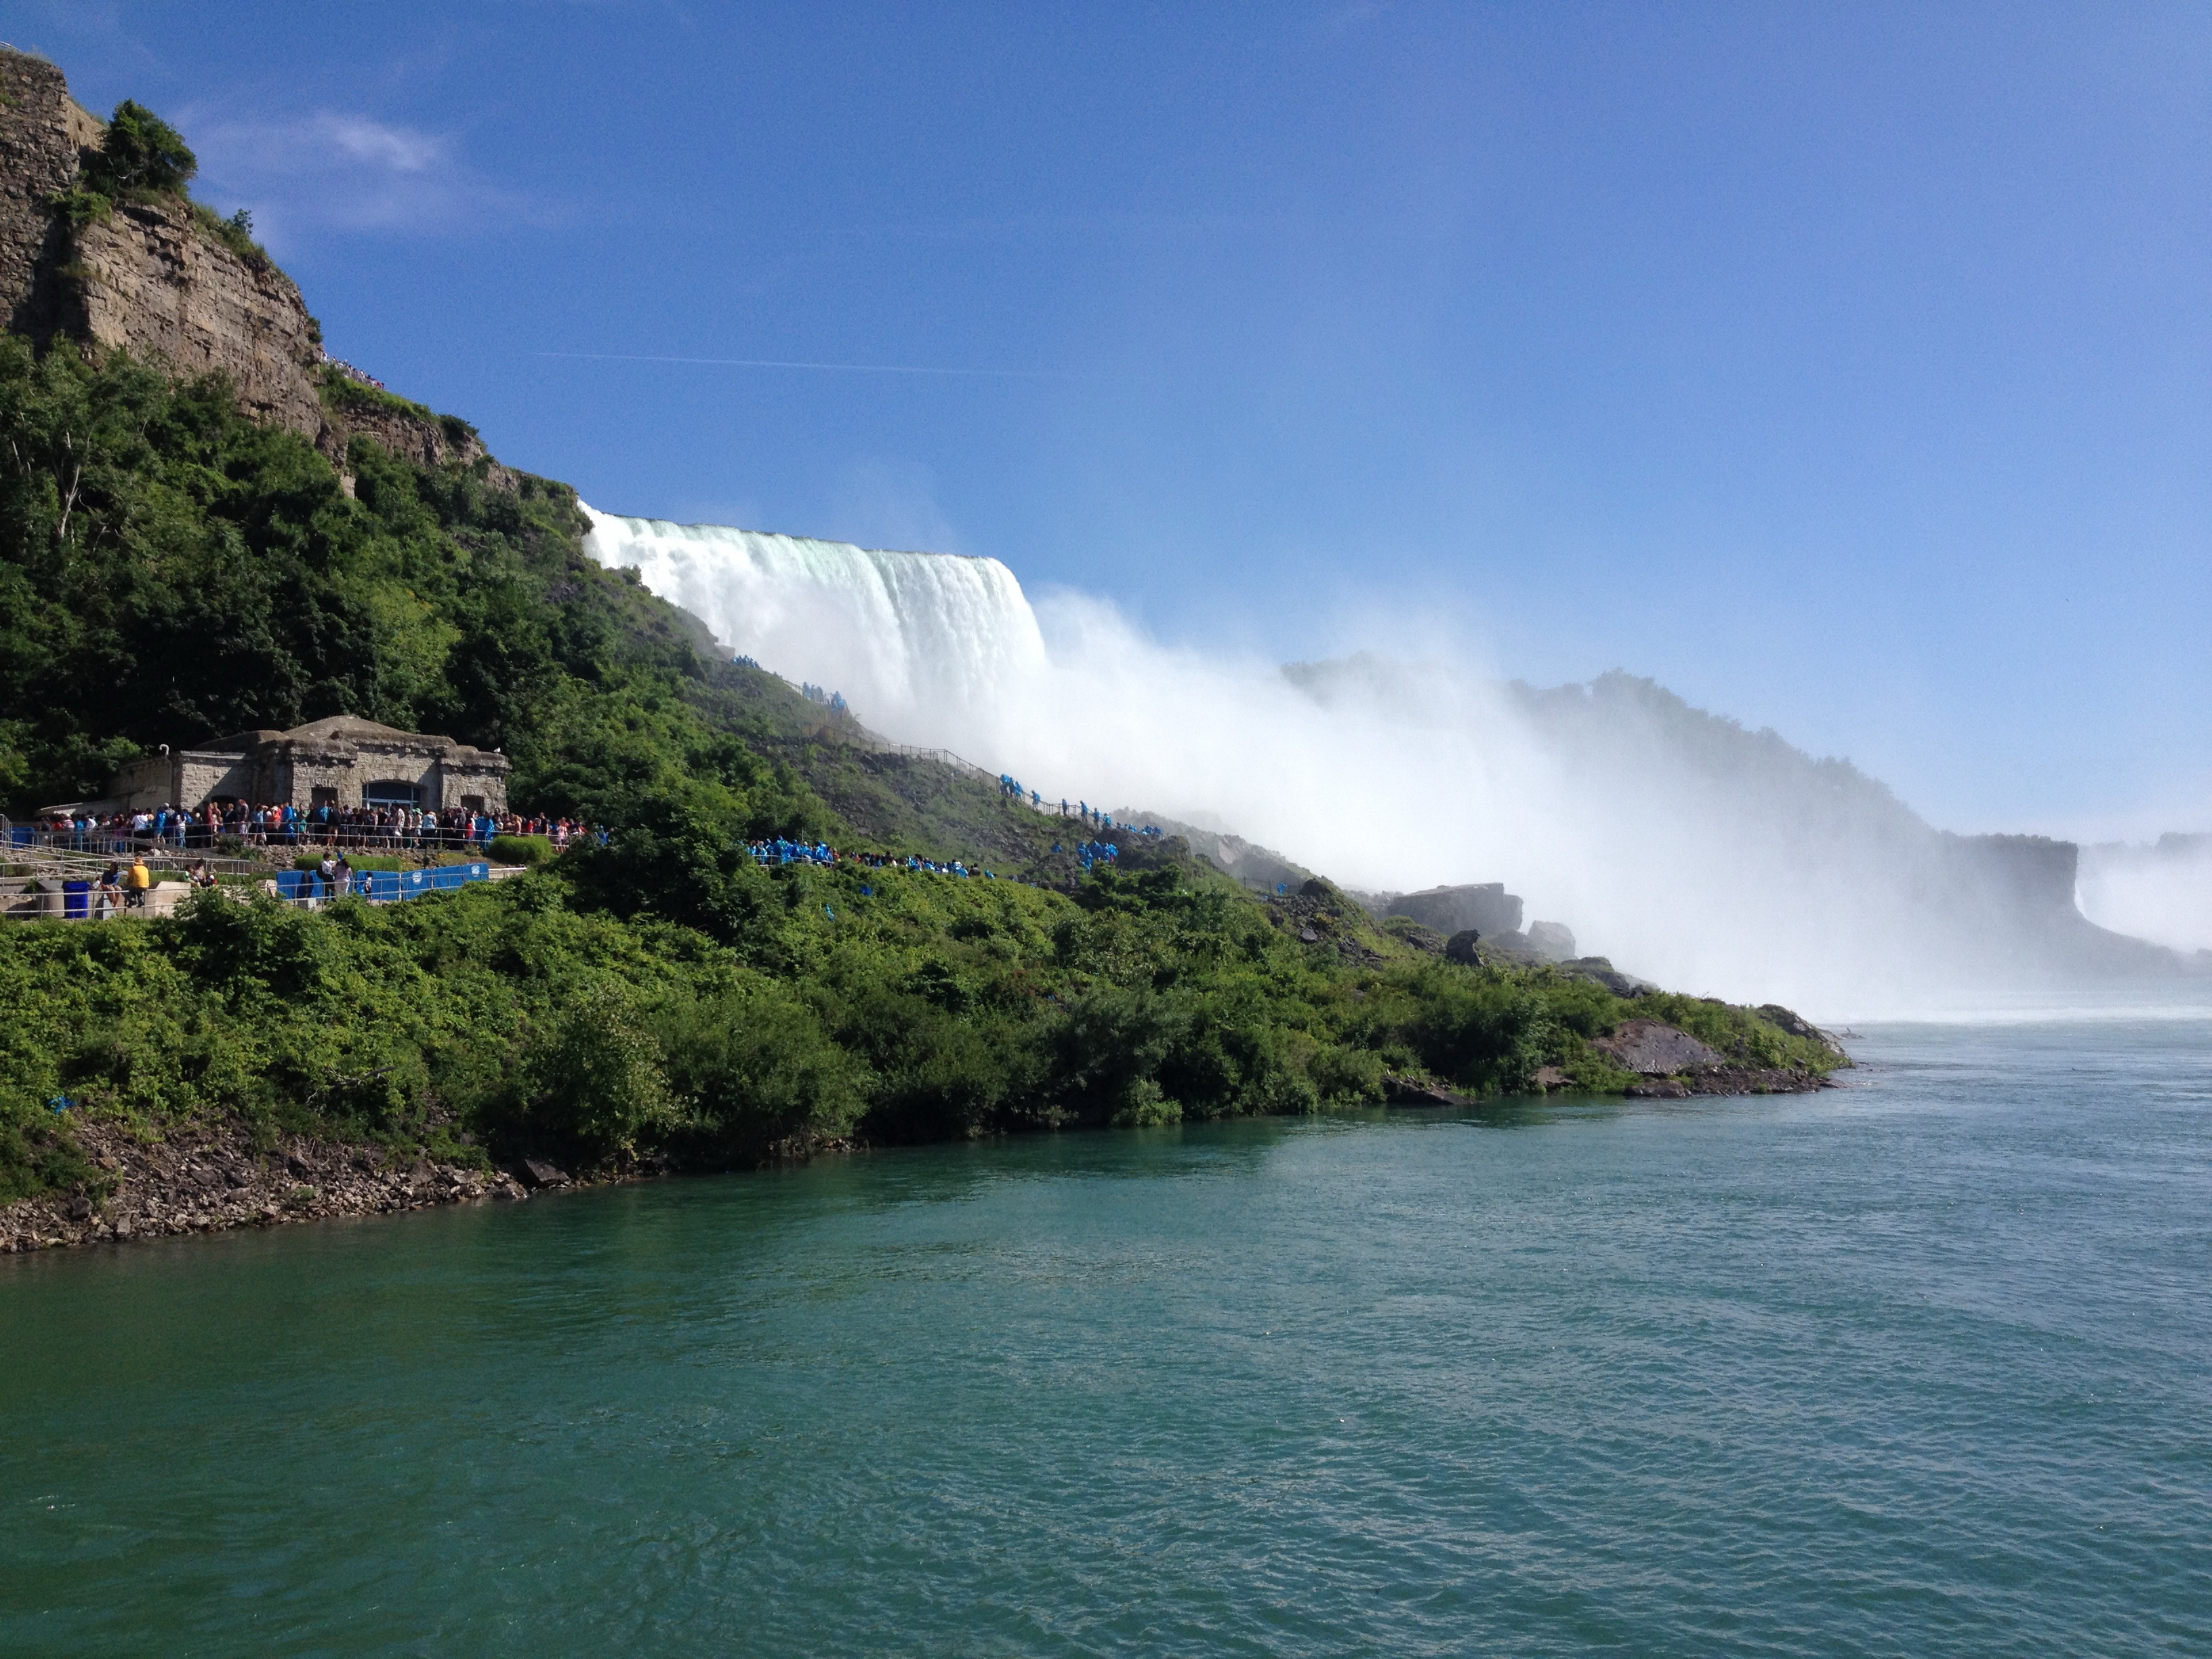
<point>1684,848</point>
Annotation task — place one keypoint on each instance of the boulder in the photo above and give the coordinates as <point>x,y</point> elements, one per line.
<point>1460,947</point>
<point>1656,1050</point>
<point>1550,940</point>
<point>539,1174</point>
<point>1486,908</point>
<point>1412,1092</point>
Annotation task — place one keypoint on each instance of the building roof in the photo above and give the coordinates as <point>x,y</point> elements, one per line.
<point>350,728</point>
<point>343,730</point>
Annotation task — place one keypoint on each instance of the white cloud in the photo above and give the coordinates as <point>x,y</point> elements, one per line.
<point>333,170</point>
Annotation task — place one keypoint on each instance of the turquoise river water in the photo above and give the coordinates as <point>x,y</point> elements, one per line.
<point>1917,1367</point>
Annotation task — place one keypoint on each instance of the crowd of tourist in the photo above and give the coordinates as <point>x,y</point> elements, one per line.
<point>390,827</point>
<point>393,828</point>
<point>779,851</point>
<point>1011,787</point>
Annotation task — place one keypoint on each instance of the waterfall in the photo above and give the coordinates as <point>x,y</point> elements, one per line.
<point>1692,851</point>
<point>904,636</point>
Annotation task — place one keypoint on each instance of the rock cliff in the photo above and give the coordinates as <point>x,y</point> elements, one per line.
<point>42,131</point>
<point>149,279</point>
<point>160,279</point>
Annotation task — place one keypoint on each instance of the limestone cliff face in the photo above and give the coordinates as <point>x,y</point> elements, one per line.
<point>41,132</point>
<point>150,281</point>
<point>152,278</point>
<point>409,436</point>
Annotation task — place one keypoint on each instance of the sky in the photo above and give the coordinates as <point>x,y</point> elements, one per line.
<point>1842,368</point>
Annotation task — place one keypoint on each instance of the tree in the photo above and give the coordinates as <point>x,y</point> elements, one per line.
<point>141,153</point>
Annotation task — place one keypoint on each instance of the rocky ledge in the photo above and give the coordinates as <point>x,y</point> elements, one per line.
<point>205,1178</point>
<point>1667,1062</point>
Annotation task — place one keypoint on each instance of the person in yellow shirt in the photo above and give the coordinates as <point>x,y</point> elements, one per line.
<point>137,880</point>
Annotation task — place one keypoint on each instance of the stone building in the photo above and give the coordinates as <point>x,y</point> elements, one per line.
<point>338,762</point>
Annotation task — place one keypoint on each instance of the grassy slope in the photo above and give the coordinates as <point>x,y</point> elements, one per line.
<point>168,570</point>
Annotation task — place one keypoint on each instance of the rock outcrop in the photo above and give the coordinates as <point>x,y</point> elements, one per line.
<point>1485,907</point>
<point>164,281</point>
<point>1654,1050</point>
<point>1552,940</point>
<point>150,280</point>
<point>42,134</point>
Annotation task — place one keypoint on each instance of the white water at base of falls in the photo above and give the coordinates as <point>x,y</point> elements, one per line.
<point>897,634</point>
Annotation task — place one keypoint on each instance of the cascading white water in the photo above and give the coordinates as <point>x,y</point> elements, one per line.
<point>893,632</point>
<point>1703,855</point>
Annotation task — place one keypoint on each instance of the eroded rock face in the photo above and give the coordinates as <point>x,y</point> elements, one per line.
<point>150,277</point>
<point>150,281</point>
<point>1657,1050</point>
<point>42,131</point>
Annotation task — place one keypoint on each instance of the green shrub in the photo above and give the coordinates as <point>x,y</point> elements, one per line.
<point>235,233</point>
<point>141,154</point>
<point>80,206</point>
<point>530,850</point>
<point>753,1069</point>
<point>355,861</point>
<point>597,1082</point>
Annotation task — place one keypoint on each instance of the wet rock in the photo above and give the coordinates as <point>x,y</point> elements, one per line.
<point>1412,1092</point>
<point>1601,970</point>
<point>539,1174</point>
<point>1486,907</point>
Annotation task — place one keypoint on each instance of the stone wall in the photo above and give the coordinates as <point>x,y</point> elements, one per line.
<point>461,783</point>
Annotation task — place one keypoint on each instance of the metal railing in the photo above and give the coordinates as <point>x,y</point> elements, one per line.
<point>202,840</point>
<point>70,892</point>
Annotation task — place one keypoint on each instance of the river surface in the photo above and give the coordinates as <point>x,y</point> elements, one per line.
<point>1918,1367</point>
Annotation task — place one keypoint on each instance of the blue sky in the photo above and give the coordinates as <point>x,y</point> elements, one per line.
<point>1842,368</point>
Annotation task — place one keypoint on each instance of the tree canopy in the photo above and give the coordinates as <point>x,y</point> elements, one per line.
<point>141,153</point>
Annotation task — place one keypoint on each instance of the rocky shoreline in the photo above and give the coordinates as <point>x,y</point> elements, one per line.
<point>209,1177</point>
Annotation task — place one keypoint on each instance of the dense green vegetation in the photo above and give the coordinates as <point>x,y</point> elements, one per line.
<point>532,1016</point>
<point>169,570</point>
